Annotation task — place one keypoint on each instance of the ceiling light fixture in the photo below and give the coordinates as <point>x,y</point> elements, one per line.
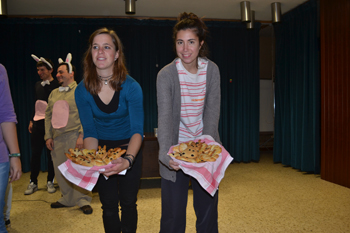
<point>130,7</point>
<point>250,25</point>
<point>245,11</point>
<point>3,7</point>
<point>276,12</point>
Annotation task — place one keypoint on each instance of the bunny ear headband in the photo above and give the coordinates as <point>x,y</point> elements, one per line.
<point>41,59</point>
<point>68,60</point>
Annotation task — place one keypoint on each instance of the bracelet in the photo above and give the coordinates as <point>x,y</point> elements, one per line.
<point>129,160</point>
<point>133,157</point>
<point>15,155</point>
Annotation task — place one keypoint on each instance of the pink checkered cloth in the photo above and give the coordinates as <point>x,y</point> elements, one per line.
<point>82,176</point>
<point>208,174</point>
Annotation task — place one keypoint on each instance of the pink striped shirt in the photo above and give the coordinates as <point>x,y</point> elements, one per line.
<point>193,89</point>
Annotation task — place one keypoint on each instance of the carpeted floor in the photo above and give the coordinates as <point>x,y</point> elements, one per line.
<point>254,197</point>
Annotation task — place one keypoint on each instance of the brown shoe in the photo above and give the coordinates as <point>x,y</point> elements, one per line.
<point>57,205</point>
<point>86,209</point>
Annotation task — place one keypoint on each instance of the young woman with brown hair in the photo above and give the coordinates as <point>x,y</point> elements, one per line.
<point>188,96</point>
<point>110,105</point>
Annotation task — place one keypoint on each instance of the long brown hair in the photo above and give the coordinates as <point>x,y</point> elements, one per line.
<point>91,80</point>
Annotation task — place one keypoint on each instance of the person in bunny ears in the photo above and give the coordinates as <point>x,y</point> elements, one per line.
<point>63,131</point>
<point>36,127</point>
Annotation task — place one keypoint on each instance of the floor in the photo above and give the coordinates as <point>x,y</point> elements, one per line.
<point>254,197</point>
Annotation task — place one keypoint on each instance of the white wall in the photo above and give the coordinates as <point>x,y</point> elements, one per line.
<point>266,106</point>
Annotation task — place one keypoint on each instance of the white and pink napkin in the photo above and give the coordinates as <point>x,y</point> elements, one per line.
<point>208,174</point>
<point>82,176</point>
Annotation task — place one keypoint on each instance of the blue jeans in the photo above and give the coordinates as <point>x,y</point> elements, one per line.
<point>8,202</point>
<point>4,180</point>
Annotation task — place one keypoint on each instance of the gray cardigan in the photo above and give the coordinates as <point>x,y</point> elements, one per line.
<point>169,108</point>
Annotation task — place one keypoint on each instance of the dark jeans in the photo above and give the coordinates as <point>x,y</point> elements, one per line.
<point>38,143</point>
<point>121,189</point>
<point>174,203</point>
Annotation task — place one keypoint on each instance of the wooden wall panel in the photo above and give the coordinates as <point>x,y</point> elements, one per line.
<point>335,91</point>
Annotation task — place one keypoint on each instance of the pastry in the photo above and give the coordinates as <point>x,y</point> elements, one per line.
<point>113,154</point>
<point>92,157</point>
<point>101,152</point>
<point>89,153</point>
<point>196,152</point>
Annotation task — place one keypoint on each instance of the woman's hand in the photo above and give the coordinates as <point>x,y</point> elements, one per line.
<point>174,165</point>
<point>120,164</point>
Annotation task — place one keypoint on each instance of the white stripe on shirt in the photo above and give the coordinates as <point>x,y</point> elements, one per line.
<point>193,89</point>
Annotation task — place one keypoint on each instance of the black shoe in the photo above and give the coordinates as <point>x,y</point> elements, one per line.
<point>7,223</point>
<point>57,205</point>
<point>86,209</point>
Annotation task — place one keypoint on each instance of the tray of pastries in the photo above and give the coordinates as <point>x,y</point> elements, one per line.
<point>196,152</point>
<point>90,158</point>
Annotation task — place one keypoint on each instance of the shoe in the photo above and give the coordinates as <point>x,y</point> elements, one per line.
<point>31,188</point>
<point>7,223</point>
<point>50,187</point>
<point>56,205</point>
<point>86,209</point>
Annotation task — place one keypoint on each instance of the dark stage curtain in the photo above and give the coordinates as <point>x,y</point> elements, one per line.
<point>236,51</point>
<point>148,47</point>
<point>297,119</point>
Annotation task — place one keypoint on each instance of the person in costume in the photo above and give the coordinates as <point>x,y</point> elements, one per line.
<point>10,162</point>
<point>63,131</point>
<point>188,98</point>
<point>36,127</point>
<point>110,105</point>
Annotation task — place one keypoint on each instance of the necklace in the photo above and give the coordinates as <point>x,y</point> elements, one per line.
<point>105,79</point>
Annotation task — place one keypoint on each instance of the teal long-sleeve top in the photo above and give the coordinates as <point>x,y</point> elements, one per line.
<point>121,124</point>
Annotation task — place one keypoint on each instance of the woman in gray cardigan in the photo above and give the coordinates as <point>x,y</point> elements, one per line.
<point>188,97</point>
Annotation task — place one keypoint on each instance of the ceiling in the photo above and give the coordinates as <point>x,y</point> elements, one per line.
<point>210,9</point>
